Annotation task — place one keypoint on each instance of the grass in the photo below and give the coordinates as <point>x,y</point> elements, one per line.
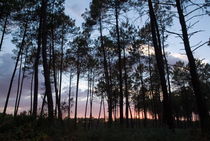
<point>25,128</point>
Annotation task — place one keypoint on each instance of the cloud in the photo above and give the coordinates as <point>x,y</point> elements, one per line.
<point>174,57</point>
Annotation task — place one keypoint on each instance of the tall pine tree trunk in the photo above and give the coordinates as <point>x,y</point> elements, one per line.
<point>61,75</point>
<point>126,90</point>
<point>36,68</point>
<point>48,90</point>
<point>18,84</point>
<point>106,72</point>
<point>3,32</point>
<point>202,108</point>
<point>119,60</point>
<point>69,102</point>
<point>31,96</point>
<point>86,105</point>
<point>77,88</point>
<point>17,60</point>
<point>167,112</point>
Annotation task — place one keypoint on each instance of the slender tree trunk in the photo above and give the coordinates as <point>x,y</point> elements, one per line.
<point>91,103</point>
<point>104,110</point>
<point>54,73</point>
<point>99,113</point>
<point>13,75</point>
<point>18,85</point>
<point>43,104</point>
<point>86,105</point>
<point>120,60</point>
<point>22,81</point>
<point>126,91</point>
<point>202,108</point>
<point>106,72</point>
<point>76,100</point>
<point>45,63</point>
<point>61,75</point>
<point>168,118</point>
<point>143,91</point>
<point>20,94</point>
<point>69,108</point>
<point>36,69</point>
<point>31,96</point>
<point>3,32</point>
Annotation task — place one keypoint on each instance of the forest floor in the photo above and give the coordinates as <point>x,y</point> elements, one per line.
<point>25,128</point>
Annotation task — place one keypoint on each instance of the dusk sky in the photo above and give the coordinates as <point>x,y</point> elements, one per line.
<point>75,8</point>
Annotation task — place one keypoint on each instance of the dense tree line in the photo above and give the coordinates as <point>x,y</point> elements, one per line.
<point>125,63</point>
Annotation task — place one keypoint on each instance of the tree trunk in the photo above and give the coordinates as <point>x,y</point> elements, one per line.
<point>77,88</point>
<point>13,75</point>
<point>69,108</point>
<point>91,102</point>
<point>61,76</point>
<point>167,113</point>
<point>106,72</point>
<point>3,32</point>
<point>202,108</point>
<point>48,90</point>
<point>31,102</point>
<point>86,105</point>
<point>36,68</point>
<point>18,84</point>
<point>126,91</point>
<point>119,60</point>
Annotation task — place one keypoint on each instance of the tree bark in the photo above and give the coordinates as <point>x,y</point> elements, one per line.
<point>18,84</point>
<point>202,108</point>
<point>119,60</point>
<point>167,113</point>
<point>48,90</point>
<point>77,88</point>
<point>36,68</point>
<point>3,32</point>
<point>17,60</point>
<point>106,72</point>
<point>69,108</point>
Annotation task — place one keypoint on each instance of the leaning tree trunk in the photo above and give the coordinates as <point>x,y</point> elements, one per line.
<point>3,32</point>
<point>202,108</point>
<point>48,90</point>
<point>13,75</point>
<point>18,84</point>
<point>167,112</point>
<point>22,81</point>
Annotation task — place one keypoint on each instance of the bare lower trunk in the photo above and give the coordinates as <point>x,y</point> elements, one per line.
<point>69,108</point>
<point>18,85</point>
<point>77,88</point>
<point>31,96</point>
<point>86,105</point>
